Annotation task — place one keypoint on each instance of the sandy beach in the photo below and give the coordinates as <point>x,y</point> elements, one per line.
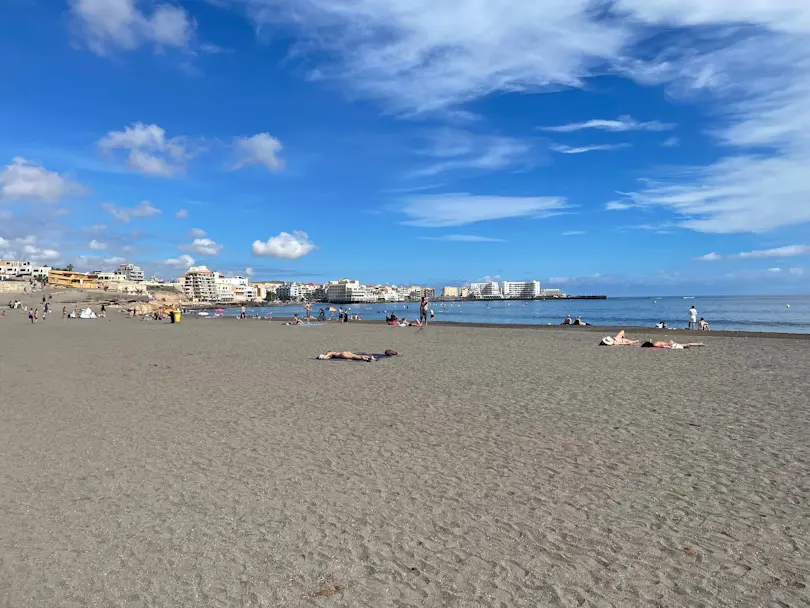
<point>216,463</point>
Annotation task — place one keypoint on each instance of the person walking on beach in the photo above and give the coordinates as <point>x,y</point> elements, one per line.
<point>693,317</point>
<point>423,310</point>
<point>308,309</point>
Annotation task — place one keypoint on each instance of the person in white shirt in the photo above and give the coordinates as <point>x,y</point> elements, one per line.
<point>693,318</point>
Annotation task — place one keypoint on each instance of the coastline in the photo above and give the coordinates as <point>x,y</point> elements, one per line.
<point>604,330</point>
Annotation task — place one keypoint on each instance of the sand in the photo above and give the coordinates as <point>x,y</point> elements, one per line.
<point>215,463</point>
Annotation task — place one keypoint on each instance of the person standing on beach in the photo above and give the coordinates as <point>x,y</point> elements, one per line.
<point>423,310</point>
<point>693,317</point>
<point>242,314</point>
<point>308,309</point>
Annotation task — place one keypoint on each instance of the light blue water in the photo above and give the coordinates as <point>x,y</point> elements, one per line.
<point>735,313</point>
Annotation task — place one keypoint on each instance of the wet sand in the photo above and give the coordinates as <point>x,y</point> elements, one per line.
<point>215,463</point>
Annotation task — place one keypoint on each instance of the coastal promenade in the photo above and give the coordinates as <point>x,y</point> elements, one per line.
<point>216,463</point>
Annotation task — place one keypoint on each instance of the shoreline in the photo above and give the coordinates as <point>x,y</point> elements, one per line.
<point>596,329</point>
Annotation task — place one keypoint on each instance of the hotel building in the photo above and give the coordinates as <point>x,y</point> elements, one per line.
<point>521,289</point>
<point>199,284</point>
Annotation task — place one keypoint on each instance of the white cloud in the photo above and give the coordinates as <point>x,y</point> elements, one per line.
<point>113,261</point>
<point>422,55</point>
<point>183,261</point>
<point>460,150</point>
<point>261,149</point>
<point>563,149</point>
<point>97,245</point>
<point>797,271</point>
<point>96,228</point>
<point>106,24</point>
<point>462,238</point>
<point>441,210</point>
<point>150,151</point>
<point>709,257</point>
<point>25,248</point>
<point>202,247</point>
<point>37,254</point>
<point>284,245</point>
<point>197,232</point>
<point>26,181</point>
<point>622,124</point>
<point>774,270</point>
<point>671,142</point>
<point>573,232</point>
<point>249,272</point>
<point>181,215</point>
<point>778,252</point>
<point>787,251</point>
<point>144,209</point>
<point>618,206</point>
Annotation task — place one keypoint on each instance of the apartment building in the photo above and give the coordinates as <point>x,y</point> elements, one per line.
<point>521,289</point>
<point>288,291</point>
<point>15,269</point>
<point>464,292</point>
<point>346,291</point>
<point>130,272</point>
<point>199,284</point>
<point>65,278</point>
<point>429,293</point>
<point>449,292</point>
<point>485,291</point>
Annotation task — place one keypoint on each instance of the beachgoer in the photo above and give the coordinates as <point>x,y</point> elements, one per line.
<point>703,325</point>
<point>423,310</point>
<point>308,309</point>
<point>671,344</point>
<point>103,310</point>
<point>661,325</point>
<point>36,315</point>
<point>579,321</point>
<point>346,355</point>
<point>64,312</point>
<point>693,318</point>
<point>618,340</point>
<point>242,314</point>
<point>568,321</point>
<point>31,316</point>
<point>432,315</point>
<point>322,315</point>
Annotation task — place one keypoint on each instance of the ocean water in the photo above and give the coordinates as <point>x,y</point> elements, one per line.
<point>789,314</point>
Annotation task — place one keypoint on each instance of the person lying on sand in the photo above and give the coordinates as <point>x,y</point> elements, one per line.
<point>353,357</point>
<point>618,340</point>
<point>671,344</point>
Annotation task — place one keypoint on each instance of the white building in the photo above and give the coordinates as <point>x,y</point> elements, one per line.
<point>551,293</point>
<point>521,289</point>
<point>40,273</point>
<point>288,291</point>
<point>199,284</point>
<point>485,291</point>
<point>345,291</point>
<point>306,291</point>
<point>224,289</point>
<point>15,269</point>
<point>130,272</point>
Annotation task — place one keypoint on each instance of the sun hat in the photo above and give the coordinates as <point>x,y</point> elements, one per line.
<point>607,341</point>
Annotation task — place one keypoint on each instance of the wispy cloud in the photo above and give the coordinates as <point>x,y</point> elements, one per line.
<point>563,149</point>
<point>787,251</point>
<point>462,238</point>
<point>144,209</point>
<point>671,142</point>
<point>573,232</point>
<point>620,125</point>
<point>443,210</point>
<point>458,150</point>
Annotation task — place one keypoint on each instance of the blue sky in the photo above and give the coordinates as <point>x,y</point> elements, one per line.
<point>620,147</point>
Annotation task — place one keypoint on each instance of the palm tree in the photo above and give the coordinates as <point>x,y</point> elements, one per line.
<point>69,267</point>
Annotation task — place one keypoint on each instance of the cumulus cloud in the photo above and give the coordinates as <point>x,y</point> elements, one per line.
<point>181,215</point>
<point>563,149</point>
<point>622,124</point>
<point>284,245</point>
<point>261,149</point>
<point>183,261</point>
<point>709,257</point>
<point>148,149</point>
<point>97,245</point>
<point>125,25</point>
<point>24,180</point>
<point>144,209</point>
<point>441,210</point>
<point>197,233</point>
<point>202,247</point>
<point>249,272</point>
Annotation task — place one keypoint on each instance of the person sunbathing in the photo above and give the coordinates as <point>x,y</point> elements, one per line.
<point>671,344</point>
<point>354,357</point>
<point>619,340</point>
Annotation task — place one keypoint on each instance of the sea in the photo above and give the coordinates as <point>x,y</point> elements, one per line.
<point>789,314</point>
